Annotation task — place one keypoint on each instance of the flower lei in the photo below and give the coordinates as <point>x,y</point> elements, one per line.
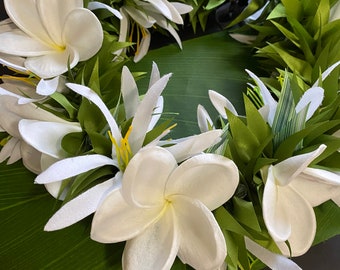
<point>245,192</point>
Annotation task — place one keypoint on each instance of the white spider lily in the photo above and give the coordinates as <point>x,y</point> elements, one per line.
<point>291,191</point>
<point>164,210</point>
<point>148,14</point>
<point>12,114</point>
<point>54,35</point>
<point>123,149</point>
<point>312,98</point>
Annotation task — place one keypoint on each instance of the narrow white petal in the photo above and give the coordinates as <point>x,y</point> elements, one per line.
<point>287,170</point>
<point>52,64</point>
<point>167,26</point>
<point>156,113</point>
<point>162,7</point>
<point>129,92</point>
<point>246,39</point>
<point>335,12</point>
<point>155,74</point>
<point>272,260</point>
<point>116,221</point>
<point>82,206</point>
<point>267,97</point>
<point>195,144</point>
<point>46,136</point>
<point>146,175</point>
<point>209,178</point>
<point>143,47</point>
<point>70,167</point>
<point>202,243</point>
<point>313,99</point>
<point>221,103</point>
<point>83,32</point>
<point>204,121</point>
<point>143,115</point>
<point>93,97</point>
<point>181,8</point>
<point>154,248</point>
<point>10,150</point>
<point>140,17</point>
<point>14,62</point>
<point>326,73</point>
<point>93,5</point>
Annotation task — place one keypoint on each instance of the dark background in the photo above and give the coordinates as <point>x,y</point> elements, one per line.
<point>325,256</point>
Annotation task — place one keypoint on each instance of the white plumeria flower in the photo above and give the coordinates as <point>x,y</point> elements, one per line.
<point>123,149</point>
<point>164,210</point>
<point>55,34</point>
<point>291,191</point>
<point>148,14</point>
<point>12,113</point>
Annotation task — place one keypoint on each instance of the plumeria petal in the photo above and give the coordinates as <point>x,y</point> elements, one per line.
<point>143,115</point>
<point>20,44</point>
<point>221,103</point>
<point>156,247</point>
<point>316,185</point>
<point>146,175</point>
<point>70,167</point>
<point>116,221</point>
<point>202,243</point>
<point>195,144</point>
<point>93,5</point>
<point>312,98</point>
<point>274,212</point>
<point>288,216</point>
<point>46,136</point>
<point>287,170</point>
<point>93,97</point>
<point>31,24</point>
<point>47,87</point>
<point>83,32</point>
<point>52,64</point>
<point>210,178</point>
<point>204,121</point>
<point>129,92</point>
<point>53,15</point>
<point>82,206</point>
<point>267,97</point>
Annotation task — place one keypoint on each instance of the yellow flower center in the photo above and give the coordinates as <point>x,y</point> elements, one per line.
<point>123,150</point>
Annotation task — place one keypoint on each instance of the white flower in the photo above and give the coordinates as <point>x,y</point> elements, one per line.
<point>123,149</point>
<point>335,12</point>
<point>11,114</point>
<point>51,34</point>
<point>164,210</point>
<point>148,14</point>
<point>291,191</point>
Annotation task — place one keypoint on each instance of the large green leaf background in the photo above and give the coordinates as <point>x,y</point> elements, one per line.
<point>209,62</point>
